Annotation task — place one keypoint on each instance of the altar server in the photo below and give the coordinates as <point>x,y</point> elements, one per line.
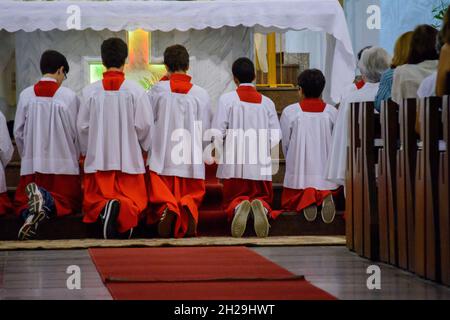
<point>307,130</point>
<point>182,114</point>
<point>46,138</point>
<point>6,152</point>
<point>373,64</point>
<point>247,129</point>
<point>114,126</point>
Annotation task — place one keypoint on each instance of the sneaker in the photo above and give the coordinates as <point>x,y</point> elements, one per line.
<point>192,224</point>
<point>261,223</point>
<point>35,198</point>
<point>328,210</point>
<point>109,219</point>
<point>166,224</point>
<point>310,213</point>
<point>29,229</point>
<point>240,219</point>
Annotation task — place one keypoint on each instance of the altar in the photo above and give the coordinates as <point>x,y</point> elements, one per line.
<point>214,32</point>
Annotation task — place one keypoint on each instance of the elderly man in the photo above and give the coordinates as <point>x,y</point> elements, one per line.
<point>374,62</point>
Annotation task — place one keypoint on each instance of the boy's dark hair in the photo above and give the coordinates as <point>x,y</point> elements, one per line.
<point>176,58</point>
<point>423,45</point>
<point>244,70</point>
<point>312,82</point>
<point>52,60</point>
<point>114,53</point>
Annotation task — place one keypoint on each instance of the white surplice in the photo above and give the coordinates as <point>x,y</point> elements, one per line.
<point>6,151</point>
<point>428,86</point>
<point>306,144</point>
<point>45,132</point>
<point>337,160</point>
<point>246,133</point>
<point>114,128</point>
<point>180,124</point>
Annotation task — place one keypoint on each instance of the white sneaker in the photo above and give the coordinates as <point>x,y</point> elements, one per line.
<point>261,223</point>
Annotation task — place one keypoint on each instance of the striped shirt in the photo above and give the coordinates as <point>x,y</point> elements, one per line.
<point>385,91</point>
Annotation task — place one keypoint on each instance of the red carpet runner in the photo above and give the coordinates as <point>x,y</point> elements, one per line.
<point>207,273</point>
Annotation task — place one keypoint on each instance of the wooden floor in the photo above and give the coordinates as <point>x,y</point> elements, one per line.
<point>42,274</point>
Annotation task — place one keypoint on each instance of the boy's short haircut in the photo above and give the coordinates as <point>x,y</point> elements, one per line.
<point>244,70</point>
<point>312,82</point>
<point>176,58</point>
<point>52,60</point>
<point>114,53</point>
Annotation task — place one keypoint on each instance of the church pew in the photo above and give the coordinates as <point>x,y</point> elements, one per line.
<point>444,195</point>
<point>426,196</point>
<point>386,182</point>
<point>361,204</point>
<point>351,154</point>
<point>405,177</point>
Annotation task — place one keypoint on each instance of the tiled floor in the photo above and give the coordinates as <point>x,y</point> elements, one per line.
<point>42,274</point>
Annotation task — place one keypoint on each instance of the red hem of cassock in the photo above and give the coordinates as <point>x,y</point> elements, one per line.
<point>176,194</point>
<point>237,190</point>
<point>102,186</point>
<point>6,206</point>
<point>65,190</point>
<point>295,200</point>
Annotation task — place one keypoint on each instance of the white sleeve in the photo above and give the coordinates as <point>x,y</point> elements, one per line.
<point>286,131</point>
<point>206,113</point>
<point>74,108</point>
<point>83,124</point>
<point>6,147</point>
<point>397,94</point>
<point>143,122</point>
<point>274,126</point>
<point>19,124</point>
<point>220,120</point>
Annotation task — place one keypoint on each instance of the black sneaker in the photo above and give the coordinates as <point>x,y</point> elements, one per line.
<point>29,229</point>
<point>109,219</point>
<point>166,224</point>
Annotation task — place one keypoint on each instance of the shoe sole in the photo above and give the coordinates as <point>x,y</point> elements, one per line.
<point>328,210</point>
<point>240,218</point>
<point>34,196</point>
<point>165,226</point>
<point>261,223</point>
<point>310,213</point>
<point>108,211</point>
<point>25,230</point>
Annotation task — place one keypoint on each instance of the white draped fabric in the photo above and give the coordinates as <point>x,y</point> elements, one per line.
<point>337,161</point>
<point>6,151</point>
<point>307,140</point>
<point>45,132</point>
<point>180,123</point>
<point>245,135</point>
<point>114,128</point>
<point>262,15</point>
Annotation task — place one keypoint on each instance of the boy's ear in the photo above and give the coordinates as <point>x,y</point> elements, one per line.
<point>60,70</point>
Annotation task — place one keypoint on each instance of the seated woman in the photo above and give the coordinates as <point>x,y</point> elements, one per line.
<point>401,55</point>
<point>373,64</point>
<point>443,76</point>
<point>422,62</point>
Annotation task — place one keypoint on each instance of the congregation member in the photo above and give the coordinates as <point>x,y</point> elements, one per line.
<point>401,55</point>
<point>244,164</point>
<point>422,62</point>
<point>182,114</point>
<point>443,74</point>
<point>6,153</point>
<point>374,62</point>
<point>307,129</point>
<point>115,126</point>
<point>46,137</point>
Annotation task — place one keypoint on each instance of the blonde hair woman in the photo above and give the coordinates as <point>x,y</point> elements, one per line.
<point>401,55</point>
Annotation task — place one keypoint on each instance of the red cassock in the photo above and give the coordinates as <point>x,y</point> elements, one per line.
<point>6,206</point>
<point>176,194</point>
<point>237,190</point>
<point>103,186</point>
<point>65,189</point>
